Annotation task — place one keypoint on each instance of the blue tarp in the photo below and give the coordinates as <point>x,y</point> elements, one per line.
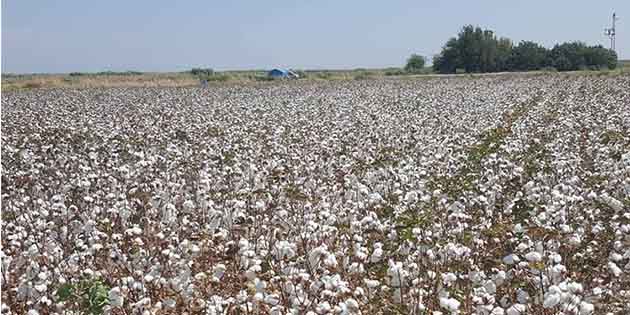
<point>278,73</point>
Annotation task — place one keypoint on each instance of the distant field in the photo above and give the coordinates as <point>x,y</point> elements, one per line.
<point>173,79</point>
<point>186,79</point>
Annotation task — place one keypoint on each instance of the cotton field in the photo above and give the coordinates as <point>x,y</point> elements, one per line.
<point>506,194</point>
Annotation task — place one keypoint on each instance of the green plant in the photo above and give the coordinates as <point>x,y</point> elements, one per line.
<point>32,85</point>
<point>395,71</point>
<point>202,71</point>
<point>89,296</point>
<point>415,63</point>
<point>363,75</point>
<point>216,78</point>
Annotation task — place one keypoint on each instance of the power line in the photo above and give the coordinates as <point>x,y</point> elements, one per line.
<point>611,32</point>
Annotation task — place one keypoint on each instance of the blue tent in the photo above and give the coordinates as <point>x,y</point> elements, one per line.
<point>278,73</point>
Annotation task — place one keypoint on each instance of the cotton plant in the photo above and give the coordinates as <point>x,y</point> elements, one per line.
<point>492,195</point>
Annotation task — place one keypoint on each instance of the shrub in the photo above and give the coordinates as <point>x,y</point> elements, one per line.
<point>324,75</point>
<point>415,64</point>
<point>302,74</point>
<point>217,78</point>
<point>395,71</point>
<point>363,75</point>
<point>262,78</point>
<point>202,71</point>
<point>32,85</point>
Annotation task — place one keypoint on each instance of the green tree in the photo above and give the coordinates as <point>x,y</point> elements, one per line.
<point>528,56</point>
<point>569,56</point>
<point>415,63</point>
<point>478,50</point>
<point>474,50</point>
<point>449,59</point>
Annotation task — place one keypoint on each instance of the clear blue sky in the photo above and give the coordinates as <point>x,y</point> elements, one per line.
<point>72,35</point>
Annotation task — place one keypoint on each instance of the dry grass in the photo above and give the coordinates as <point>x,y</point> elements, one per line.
<point>184,79</point>
<point>92,81</point>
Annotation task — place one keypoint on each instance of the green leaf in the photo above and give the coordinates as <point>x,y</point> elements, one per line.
<point>64,292</point>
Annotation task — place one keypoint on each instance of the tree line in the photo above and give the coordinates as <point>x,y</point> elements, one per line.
<point>476,50</point>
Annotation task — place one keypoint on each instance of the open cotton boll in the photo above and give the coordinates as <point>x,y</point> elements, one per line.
<point>450,304</point>
<point>511,259</point>
<point>517,309</point>
<point>552,297</point>
<point>377,254</point>
<point>533,257</point>
<point>614,269</point>
<point>115,297</point>
<point>586,308</point>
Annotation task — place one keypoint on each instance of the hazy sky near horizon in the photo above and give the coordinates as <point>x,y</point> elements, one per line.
<point>73,35</point>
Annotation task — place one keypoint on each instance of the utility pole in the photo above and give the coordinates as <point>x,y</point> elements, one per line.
<point>610,32</point>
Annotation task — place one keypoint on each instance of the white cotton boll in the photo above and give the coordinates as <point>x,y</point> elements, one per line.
<point>42,275</point>
<point>511,259</point>
<point>497,311</point>
<point>323,307</point>
<point>371,284</point>
<point>574,287</point>
<point>115,297</point>
<point>518,228</point>
<point>614,269</point>
<point>450,304</point>
<point>284,249</point>
<point>272,299</point>
<point>359,292</point>
<point>516,309</point>
<point>218,272</point>
<point>421,307</point>
<point>500,277</point>
<point>615,257</point>
<point>356,268</point>
<point>397,295</point>
<point>490,287</point>
<point>449,278</point>
<point>259,297</point>
<point>430,254</point>
<point>138,241</point>
<point>41,287</point>
<point>195,249</point>
<point>586,308</point>
<point>200,276</point>
<point>375,198</point>
<point>613,203</point>
<point>331,261</point>
<point>33,312</point>
<point>148,278</point>
<point>352,305</point>
<point>551,299</point>
<point>277,310</point>
<point>170,303</point>
<point>411,197</point>
<point>396,272</point>
<point>522,296</point>
<point>377,255</point>
<point>533,257</point>
<point>189,205</point>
